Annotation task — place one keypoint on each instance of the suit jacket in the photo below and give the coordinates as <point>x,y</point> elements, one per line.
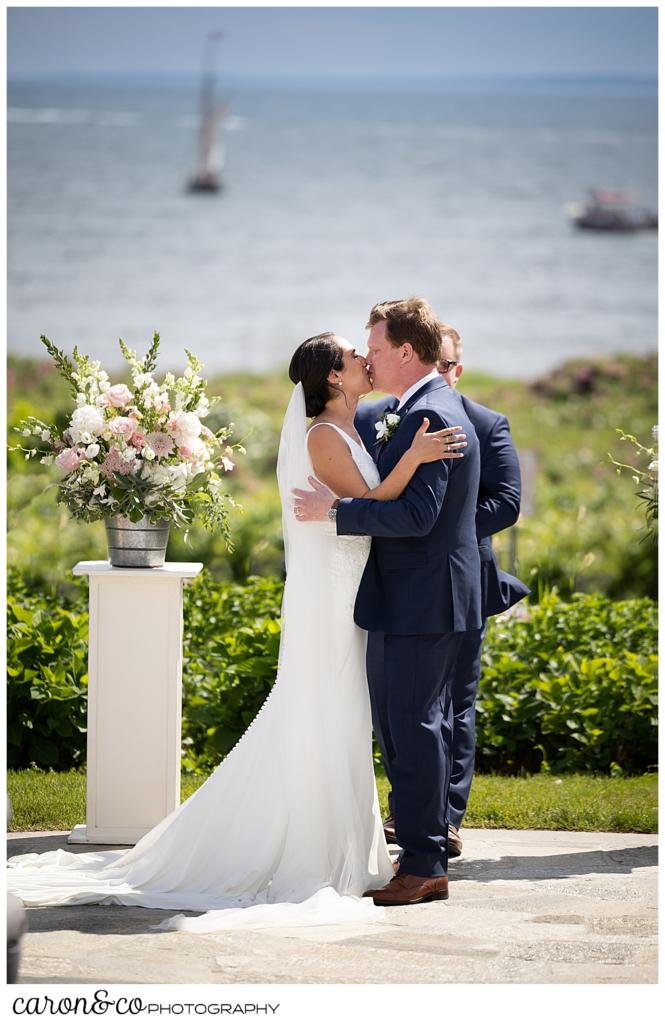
<point>423,571</point>
<point>499,492</point>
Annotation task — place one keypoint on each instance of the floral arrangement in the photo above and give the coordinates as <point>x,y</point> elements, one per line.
<point>136,451</point>
<point>386,426</point>
<point>645,479</point>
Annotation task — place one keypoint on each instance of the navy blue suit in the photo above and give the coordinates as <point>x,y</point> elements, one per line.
<point>497,508</point>
<point>419,595</point>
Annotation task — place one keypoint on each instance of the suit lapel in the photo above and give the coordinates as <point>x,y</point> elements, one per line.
<point>428,386</point>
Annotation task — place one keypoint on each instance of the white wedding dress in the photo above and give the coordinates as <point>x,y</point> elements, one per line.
<point>287,830</point>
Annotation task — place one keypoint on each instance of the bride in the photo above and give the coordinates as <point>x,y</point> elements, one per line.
<point>287,829</point>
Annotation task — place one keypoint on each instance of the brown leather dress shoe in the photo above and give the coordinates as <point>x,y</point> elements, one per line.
<point>455,844</point>
<point>389,830</point>
<point>406,890</point>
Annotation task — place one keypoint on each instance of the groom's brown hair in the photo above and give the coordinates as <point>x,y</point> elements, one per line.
<point>411,320</point>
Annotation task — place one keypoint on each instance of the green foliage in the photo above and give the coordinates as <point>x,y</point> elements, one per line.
<point>644,474</point>
<point>47,679</point>
<point>230,662</point>
<point>572,687</point>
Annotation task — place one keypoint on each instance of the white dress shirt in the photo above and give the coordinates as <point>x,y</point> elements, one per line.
<point>432,375</point>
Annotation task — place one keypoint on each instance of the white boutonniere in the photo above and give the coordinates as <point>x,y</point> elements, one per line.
<point>386,426</point>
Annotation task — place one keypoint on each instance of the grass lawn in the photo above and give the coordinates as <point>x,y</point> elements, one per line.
<point>54,801</point>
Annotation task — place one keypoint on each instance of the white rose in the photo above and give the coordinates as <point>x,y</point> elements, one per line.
<point>148,453</point>
<point>91,451</point>
<point>88,419</point>
<point>185,427</point>
<point>392,419</point>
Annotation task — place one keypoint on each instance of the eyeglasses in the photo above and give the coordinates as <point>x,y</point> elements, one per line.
<point>447,364</point>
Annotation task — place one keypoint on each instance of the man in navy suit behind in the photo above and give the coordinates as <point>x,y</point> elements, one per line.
<point>497,508</point>
<point>420,594</point>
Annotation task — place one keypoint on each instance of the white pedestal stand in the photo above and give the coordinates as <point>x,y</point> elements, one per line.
<point>134,699</point>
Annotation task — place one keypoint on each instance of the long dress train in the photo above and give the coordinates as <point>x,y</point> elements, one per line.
<point>287,830</point>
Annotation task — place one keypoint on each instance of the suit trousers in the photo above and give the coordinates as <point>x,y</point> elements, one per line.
<point>410,684</point>
<point>463,711</point>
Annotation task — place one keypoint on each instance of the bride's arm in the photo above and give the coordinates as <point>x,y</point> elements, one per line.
<point>333,463</point>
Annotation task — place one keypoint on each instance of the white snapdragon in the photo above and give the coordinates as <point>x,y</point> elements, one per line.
<point>203,408</point>
<point>81,399</point>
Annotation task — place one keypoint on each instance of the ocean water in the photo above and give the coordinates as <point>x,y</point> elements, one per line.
<point>332,202</point>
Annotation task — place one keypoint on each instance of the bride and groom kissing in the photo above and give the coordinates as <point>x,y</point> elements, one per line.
<point>421,598</point>
<point>389,582</point>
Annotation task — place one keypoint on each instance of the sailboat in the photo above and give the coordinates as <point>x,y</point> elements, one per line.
<point>208,175</point>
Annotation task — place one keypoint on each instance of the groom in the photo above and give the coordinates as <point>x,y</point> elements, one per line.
<point>419,594</point>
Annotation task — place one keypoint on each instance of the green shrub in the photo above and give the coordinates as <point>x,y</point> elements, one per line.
<point>47,680</point>
<point>572,687</point>
<point>569,687</point>
<point>230,654</point>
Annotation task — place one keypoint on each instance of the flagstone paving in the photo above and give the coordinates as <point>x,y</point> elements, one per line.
<point>524,907</point>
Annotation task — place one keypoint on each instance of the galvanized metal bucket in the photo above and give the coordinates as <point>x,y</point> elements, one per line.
<point>139,545</point>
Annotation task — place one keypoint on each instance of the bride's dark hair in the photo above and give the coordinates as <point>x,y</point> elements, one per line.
<point>310,365</point>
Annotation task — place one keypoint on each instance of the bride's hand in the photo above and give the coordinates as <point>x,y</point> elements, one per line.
<point>440,444</point>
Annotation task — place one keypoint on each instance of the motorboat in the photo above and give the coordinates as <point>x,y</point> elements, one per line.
<point>606,210</point>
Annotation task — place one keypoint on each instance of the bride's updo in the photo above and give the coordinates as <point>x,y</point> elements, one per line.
<point>310,365</point>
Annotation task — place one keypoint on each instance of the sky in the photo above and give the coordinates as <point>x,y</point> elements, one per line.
<point>334,42</point>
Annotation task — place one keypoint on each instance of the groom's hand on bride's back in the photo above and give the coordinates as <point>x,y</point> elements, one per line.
<point>313,506</point>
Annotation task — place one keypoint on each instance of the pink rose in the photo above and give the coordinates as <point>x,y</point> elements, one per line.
<point>70,459</point>
<point>137,440</point>
<point>185,451</point>
<point>118,396</point>
<point>123,426</point>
